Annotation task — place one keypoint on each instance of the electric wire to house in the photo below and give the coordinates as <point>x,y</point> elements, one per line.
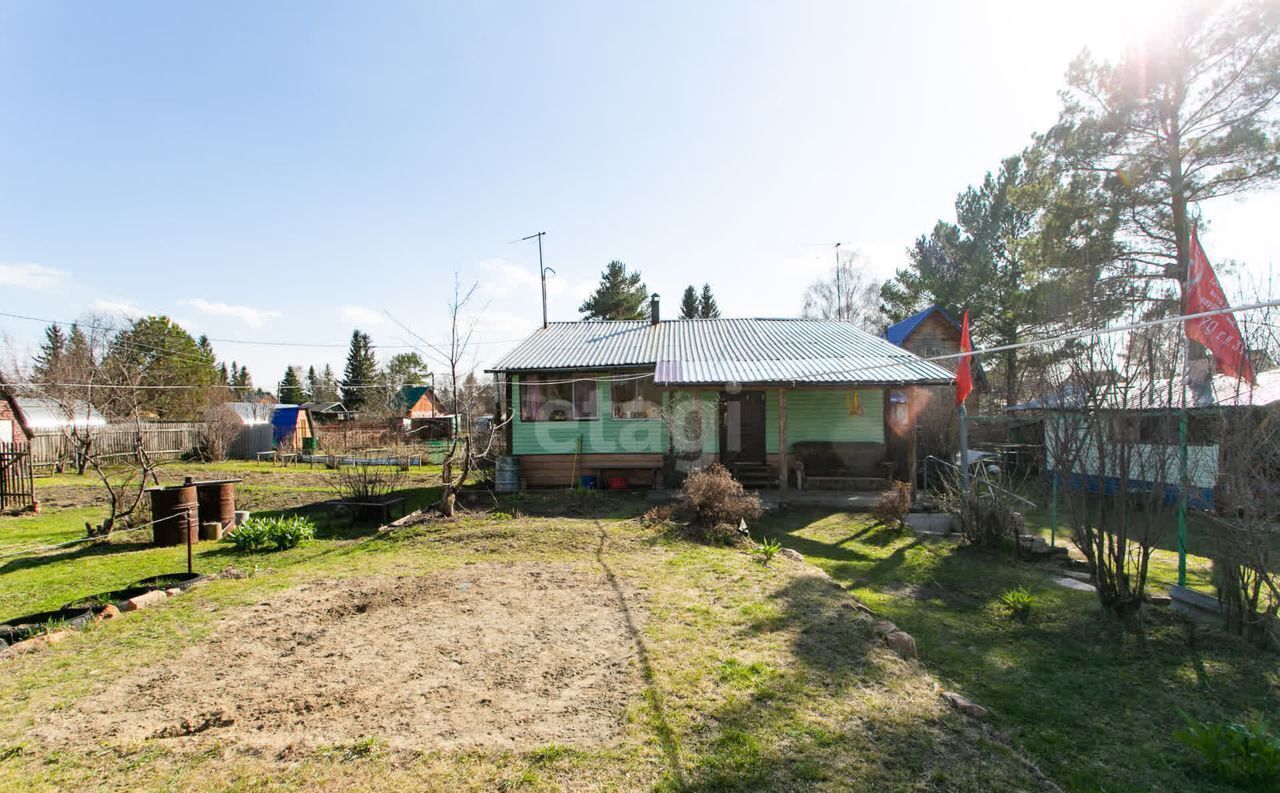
<point>861,369</point>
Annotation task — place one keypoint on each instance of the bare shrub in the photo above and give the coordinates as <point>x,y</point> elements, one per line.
<point>894,504</point>
<point>719,503</point>
<point>365,481</point>
<point>1246,528</point>
<point>220,429</point>
<point>660,516</point>
<point>986,515</point>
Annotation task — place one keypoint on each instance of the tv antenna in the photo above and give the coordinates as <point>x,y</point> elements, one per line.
<point>542,272</point>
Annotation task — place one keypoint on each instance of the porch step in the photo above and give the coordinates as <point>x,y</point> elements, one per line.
<point>756,475</point>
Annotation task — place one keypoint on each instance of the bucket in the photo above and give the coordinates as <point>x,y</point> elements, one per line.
<point>506,474</point>
<point>175,511</point>
<point>589,482</point>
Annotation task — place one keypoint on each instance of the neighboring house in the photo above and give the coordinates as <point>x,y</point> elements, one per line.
<point>641,400</point>
<point>290,427</point>
<point>328,412</point>
<point>1146,415</point>
<point>930,334</point>
<point>14,428</point>
<point>424,413</point>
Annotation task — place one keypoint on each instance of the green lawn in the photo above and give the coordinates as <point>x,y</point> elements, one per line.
<point>747,677</point>
<point>1093,708</point>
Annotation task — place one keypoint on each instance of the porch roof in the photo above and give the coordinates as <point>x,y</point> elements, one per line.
<point>718,351</point>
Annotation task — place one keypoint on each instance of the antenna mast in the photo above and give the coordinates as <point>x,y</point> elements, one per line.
<point>542,273</point>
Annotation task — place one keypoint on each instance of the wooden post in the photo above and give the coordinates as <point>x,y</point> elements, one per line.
<point>782,440</point>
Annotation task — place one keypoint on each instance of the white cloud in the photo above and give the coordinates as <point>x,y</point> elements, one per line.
<point>118,308</point>
<point>505,279</point>
<point>253,317</point>
<point>361,316</point>
<point>32,276</point>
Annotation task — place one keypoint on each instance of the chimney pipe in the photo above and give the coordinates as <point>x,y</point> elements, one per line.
<point>654,317</point>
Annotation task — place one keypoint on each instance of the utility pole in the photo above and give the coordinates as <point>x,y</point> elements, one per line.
<point>839,296</point>
<point>542,273</point>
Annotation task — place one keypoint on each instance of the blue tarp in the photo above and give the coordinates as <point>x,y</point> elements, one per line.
<point>284,420</point>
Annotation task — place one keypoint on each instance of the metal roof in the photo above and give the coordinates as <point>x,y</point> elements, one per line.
<point>1162,394</point>
<point>46,414</point>
<point>718,351</point>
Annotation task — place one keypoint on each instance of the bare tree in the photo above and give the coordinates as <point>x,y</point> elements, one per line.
<point>1107,437</point>
<point>846,294</point>
<point>1247,524</point>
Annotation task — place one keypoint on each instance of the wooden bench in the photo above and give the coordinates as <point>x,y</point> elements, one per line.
<point>853,464</point>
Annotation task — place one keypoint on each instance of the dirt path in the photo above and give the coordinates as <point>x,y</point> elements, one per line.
<point>511,657</point>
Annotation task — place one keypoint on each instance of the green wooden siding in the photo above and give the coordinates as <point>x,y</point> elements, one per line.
<point>812,415</point>
<point>607,435</point>
<point>822,414</point>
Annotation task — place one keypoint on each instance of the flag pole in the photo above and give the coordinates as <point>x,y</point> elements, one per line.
<point>1184,479</point>
<point>964,382</point>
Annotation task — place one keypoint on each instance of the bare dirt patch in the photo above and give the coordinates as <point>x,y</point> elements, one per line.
<point>510,657</point>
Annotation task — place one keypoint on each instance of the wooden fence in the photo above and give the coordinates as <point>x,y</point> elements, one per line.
<point>161,440</point>
<point>17,487</point>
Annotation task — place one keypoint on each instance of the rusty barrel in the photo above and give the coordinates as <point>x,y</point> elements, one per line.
<point>217,499</point>
<point>175,511</point>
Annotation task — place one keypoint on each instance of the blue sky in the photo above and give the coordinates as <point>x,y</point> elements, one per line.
<point>287,171</point>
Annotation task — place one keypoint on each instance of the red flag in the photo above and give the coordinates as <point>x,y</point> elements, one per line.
<point>964,380</point>
<point>1219,333</point>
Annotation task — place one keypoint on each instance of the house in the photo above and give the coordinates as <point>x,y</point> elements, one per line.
<point>778,401</point>
<point>424,413</point>
<point>1146,415</point>
<point>270,425</point>
<point>14,428</point>
<point>933,333</point>
<point>328,412</point>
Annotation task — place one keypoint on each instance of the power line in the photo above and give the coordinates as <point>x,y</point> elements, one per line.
<point>255,342</point>
<point>896,361</point>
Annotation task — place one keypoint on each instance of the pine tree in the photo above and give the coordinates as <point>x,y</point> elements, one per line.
<point>689,306</point>
<point>52,351</point>
<point>328,384</point>
<point>205,346</point>
<point>313,385</point>
<point>620,295</point>
<point>707,308</point>
<point>361,371</point>
<point>290,390</point>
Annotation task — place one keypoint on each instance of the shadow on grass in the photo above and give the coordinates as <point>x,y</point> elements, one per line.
<point>652,693</point>
<point>72,554</point>
<point>1114,700</point>
<point>794,724</point>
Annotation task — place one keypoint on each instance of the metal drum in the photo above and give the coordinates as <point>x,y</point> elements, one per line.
<point>175,511</point>
<point>217,500</point>
<point>506,474</point>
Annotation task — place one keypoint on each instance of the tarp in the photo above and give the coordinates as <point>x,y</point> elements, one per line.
<point>283,423</point>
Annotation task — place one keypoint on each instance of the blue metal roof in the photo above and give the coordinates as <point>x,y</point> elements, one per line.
<point>898,333</point>
<point>718,351</point>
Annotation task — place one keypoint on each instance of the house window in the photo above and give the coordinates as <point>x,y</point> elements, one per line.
<point>636,399</point>
<point>557,398</point>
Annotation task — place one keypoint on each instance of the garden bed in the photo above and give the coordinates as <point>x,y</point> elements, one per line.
<point>511,656</point>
